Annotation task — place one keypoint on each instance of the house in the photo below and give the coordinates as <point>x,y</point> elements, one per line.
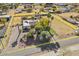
<point>38,16</point>
<point>48,5</point>
<point>18,10</point>
<point>47,9</point>
<point>6,17</point>
<point>64,9</point>
<point>70,20</point>
<point>27,24</point>
<point>3,13</point>
<point>76,31</point>
<point>60,4</point>
<point>27,5</point>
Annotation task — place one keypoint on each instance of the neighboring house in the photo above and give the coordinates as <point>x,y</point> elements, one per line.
<point>18,10</point>
<point>48,5</point>
<point>3,13</point>
<point>64,9</point>
<point>28,5</point>
<point>70,20</point>
<point>38,16</point>
<point>6,17</point>
<point>60,4</point>
<point>47,9</point>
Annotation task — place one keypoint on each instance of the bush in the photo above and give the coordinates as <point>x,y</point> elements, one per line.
<point>30,35</point>
<point>49,15</point>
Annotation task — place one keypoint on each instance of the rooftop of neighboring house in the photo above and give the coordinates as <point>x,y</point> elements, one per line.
<point>5,16</point>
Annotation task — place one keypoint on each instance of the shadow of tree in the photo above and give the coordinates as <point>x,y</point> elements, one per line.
<point>25,30</point>
<point>48,47</point>
<point>30,41</point>
<point>14,44</point>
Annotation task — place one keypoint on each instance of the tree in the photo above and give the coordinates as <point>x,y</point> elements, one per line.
<point>3,20</point>
<point>52,18</point>
<point>44,36</point>
<point>49,15</point>
<point>29,10</point>
<point>30,38</point>
<point>45,23</point>
<point>71,16</point>
<point>54,8</point>
<point>38,27</point>
<point>30,35</point>
<point>41,10</point>
<point>15,5</point>
<point>42,24</point>
<point>33,17</point>
<point>41,4</point>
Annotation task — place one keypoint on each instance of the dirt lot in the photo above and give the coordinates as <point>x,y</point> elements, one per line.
<point>72,53</point>
<point>67,15</point>
<point>61,29</point>
<point>17,20</point>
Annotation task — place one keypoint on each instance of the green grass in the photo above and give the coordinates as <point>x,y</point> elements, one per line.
<point>52,31</point>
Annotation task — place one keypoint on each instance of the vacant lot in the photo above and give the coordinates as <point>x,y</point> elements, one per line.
<point>61,29</point>
<point>16,20</point>
<point>67,15</point>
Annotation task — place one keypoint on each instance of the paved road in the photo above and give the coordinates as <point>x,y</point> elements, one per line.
<point>24,52</point>
<point>33,50</point>
<point>13,37</point>
<point>65,43</point>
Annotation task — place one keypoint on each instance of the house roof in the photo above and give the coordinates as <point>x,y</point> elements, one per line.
<point>70,20</point>
<point>5,16</point>
<point>28,22</point>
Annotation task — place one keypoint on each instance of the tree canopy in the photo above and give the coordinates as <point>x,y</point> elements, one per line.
<point>42,24</point>
<point>44,36</point>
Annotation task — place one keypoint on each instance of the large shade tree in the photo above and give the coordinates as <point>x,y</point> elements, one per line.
<point>42,24</point>
<point>44,36</point>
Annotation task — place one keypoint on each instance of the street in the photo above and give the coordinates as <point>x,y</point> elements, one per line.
<point>32,50</point>
<point>13,37</point>
<point>65,43</point>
